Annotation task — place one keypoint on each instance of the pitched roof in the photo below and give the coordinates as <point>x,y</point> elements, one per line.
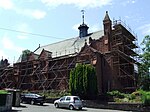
<point>69,46</point>
<point>65,47</point>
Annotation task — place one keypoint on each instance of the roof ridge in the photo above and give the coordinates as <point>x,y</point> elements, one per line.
<point>69,39</point>
<point>58,42</point>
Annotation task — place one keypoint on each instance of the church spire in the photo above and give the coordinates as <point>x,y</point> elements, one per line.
<point>106,18</point>
<point>107,24</point>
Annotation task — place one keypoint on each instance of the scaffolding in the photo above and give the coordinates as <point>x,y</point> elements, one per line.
<point>123,47</point>
<point>6,77</point>
<point>46,73</point>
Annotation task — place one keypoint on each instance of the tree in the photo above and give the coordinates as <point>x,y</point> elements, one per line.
<point>4,63</point>
<point>144,66</point>
<point>83,80</point>
<point>25,54</point>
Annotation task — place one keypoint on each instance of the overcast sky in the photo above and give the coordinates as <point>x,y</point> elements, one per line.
<point>24,24</point>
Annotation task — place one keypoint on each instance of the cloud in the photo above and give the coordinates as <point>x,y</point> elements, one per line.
<point>125,3</point>
<point>38,14</point>
<point>34,13</point>
<point>78,3</point>
<point>145,29</point>
<point>6,4</point>
<point>9,45</point>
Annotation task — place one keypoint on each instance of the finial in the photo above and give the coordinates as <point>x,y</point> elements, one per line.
<point>83,15</point>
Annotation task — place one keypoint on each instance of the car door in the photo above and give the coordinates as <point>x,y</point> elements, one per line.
<point>61,101</point>
<point>67,101</point>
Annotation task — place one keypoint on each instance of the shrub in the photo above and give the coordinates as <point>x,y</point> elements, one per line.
<point>54,93</point>
<point>132,96</point>
<point>3,92</point>
<point>146,98</point>
<point>116,94</point>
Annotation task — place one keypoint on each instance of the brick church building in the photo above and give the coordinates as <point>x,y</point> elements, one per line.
<point>110,50</point>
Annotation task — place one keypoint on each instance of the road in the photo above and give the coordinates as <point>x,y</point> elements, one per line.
<point>50,108</point>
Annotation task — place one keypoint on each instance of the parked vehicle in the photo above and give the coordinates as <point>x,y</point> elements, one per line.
<point>71,102</point>
<point>32,98</point>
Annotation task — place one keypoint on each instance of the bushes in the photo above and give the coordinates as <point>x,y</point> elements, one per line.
<point>145,98</point>
<point>3,92</point>
<point>116,94</point>
<point>137,96</point>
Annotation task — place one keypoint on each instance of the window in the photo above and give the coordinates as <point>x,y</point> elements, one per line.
<point>76,98</point>
<point>68,99</point>
<point>62,98</point>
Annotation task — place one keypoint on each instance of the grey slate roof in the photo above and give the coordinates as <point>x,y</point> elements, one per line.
<point>66,47</point>
<point>69,46</point>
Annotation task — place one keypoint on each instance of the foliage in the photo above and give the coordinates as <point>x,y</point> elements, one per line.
<point>145,83</point>
<point>55,94</point>
<point>145,97</point>
<point>144,66</point>
<point>122,97</point>
<point>83,80</point>
<point>25,54</point>
<point>137,96</point>
<point>116,94</point>
<point>3,92</point>
<point>4,63</point>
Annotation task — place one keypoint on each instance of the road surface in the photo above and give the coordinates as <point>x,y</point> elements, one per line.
<point>50,108</point>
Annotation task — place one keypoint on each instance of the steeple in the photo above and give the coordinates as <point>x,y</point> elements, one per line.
<point>106,18</point>
<point>107,30</point>
<point>83,28</point>
<point>107,24</point>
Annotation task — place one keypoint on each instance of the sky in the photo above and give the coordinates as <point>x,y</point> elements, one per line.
<point>24,24</point>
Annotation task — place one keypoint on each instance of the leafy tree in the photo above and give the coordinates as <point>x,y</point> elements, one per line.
<point>4,63</point>
<point>25,54</point>
<point>83,80</point>
<point>144,67</point>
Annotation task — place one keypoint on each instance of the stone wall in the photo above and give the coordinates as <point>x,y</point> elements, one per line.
<point>138,107</point>
<point>8,104</point>
<point>101,104</point>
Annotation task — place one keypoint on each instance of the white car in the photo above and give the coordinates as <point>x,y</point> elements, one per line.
<point>71,102</point>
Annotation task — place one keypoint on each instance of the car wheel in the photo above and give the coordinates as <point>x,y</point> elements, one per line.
<point>56,105</point>
<point>71,107</point>
<point>41,103</point>
<point>32,102</point>
<point>80,108</point>
<point>21,101</point>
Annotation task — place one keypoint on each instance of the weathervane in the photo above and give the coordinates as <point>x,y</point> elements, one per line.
<point>83,15</point>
